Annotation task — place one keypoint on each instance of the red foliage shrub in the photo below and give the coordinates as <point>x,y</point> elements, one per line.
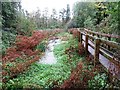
<point>78,78</point>
<point>89,57</point>
<point>11,54</point>
<point>81,49</point>
<point>20,67</point>
<point>74,77</point>
<point>24,44</point>
<point>24,47</point>
<point>74,31</point>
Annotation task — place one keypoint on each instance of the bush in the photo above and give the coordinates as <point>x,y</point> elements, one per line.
<point>22,54</point>
<point>99,81</point>
<point>41,47</point>
<point>8,39</point>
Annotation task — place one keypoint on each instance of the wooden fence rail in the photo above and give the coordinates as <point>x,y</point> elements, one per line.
<point>90,40</point>
<point>102,35</point>
<point>98,42</point>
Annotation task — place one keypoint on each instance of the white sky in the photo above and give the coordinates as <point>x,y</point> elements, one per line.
<point>31,5</point>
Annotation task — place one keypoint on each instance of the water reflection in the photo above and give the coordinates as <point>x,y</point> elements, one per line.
<point>49,57</point>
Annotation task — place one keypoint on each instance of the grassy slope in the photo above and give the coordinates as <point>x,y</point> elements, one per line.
<point>47,76</point>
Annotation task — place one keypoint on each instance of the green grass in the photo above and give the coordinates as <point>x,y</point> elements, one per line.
<point>64,34</point>
<point>48,76</point>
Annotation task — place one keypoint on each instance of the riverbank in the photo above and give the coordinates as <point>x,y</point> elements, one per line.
<point>41,75</point>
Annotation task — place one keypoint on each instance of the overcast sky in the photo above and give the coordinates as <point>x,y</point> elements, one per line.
<point>31,5</point>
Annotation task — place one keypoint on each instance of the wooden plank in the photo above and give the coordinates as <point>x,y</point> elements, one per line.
<point>83,40</point>
<point>106,50</point>
<point>92,41</point>
<point>91,45</point>
<point>110,58</point>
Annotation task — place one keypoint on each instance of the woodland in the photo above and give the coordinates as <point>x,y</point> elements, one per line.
<point>25,37</point>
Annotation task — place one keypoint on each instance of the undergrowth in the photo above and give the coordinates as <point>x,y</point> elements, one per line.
<point>70,71</point>
<point>48,76</point>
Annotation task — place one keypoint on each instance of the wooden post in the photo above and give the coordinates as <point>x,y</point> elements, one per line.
<point>86,45</point>
<point>78,36</point>
<point>96,54</point>
<point>93,35</point>
<point>109,38</point>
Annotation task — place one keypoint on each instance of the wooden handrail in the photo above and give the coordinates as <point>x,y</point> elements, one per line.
<point>106,42</point>
<point>102,34</point>
<point>98,42</point>
<point>91,37</point>
<point>110,43</point>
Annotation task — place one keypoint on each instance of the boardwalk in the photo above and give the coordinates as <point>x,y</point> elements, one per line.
<point>104,61</point>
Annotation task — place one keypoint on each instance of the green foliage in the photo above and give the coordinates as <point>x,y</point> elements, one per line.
<point>25,25</point>
<point>82,11</point>
<point>9,64</point>
<point>1,85</point>
<point>12,85</point>
<point>19,60</point>
<point>13,22</point>
<point>8,39</point>
<point>44,21</point>
<point>98,16</point>
<point>41,46</point>
<point>45,75</point>
<point>99,81</point>
<point>89,23</point>
<point>9,14</point>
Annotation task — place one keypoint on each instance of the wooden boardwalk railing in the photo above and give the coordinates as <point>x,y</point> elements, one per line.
<point>100,48</point>
<point>108,37</point>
